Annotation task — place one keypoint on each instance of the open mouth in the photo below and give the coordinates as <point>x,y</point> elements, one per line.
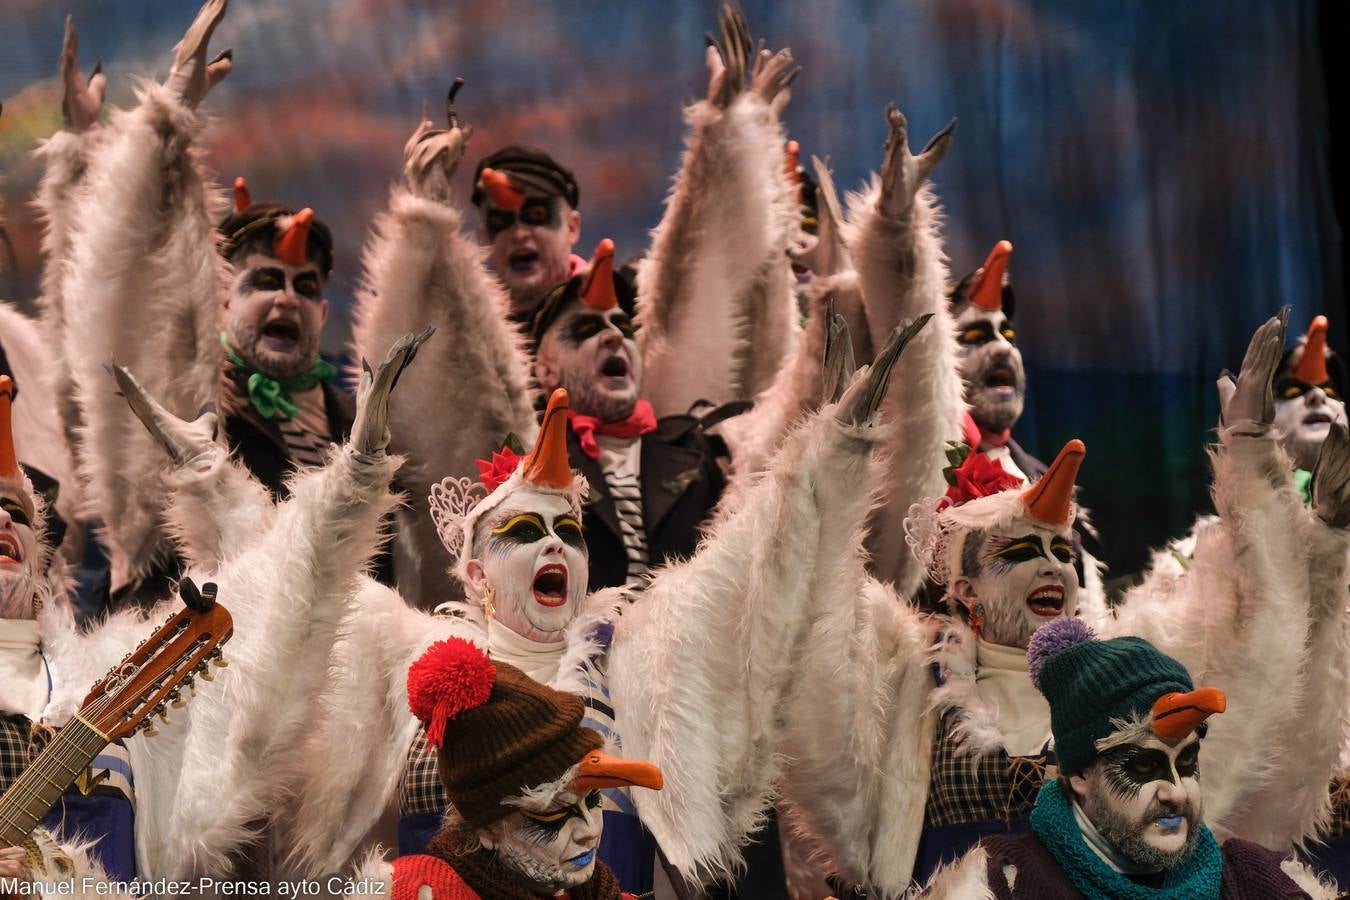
<point>522,262</point>
<point>1001,379</point>
<point>615,367</point>
<point>550,585</point>
<point>281,335</point>
<point>11,551</point>
<point>1317,418</point>
<point>1047,600</point>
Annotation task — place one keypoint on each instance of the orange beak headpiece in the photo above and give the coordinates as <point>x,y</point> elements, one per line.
<point>254,227</point>
<point>1312,365</point>
<point>1177,714</point>
<point>242,199</point>
<point>547,464</point>
<point>599,770</point>
<point>291,246</point>
<point>987,286</point>
<point>500,190</point>
<point>1050,500</point>
<point>597,290</point>
<point>12,477</point>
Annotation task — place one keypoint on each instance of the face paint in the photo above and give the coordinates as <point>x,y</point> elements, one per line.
<point>1025,577</point>
<point>276,315</point>
<point>531,253</point>
<point>1303,417</point>
<point>18,555</point>
<point>533,556</point>
<point>991,367</point>
<point>552,850</point>
<point>594,355</point>
<point>1144,798</point>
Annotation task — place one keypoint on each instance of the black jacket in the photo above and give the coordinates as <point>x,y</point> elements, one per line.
<point>681,480</point>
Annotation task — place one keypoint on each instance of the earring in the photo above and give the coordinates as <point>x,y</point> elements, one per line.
<point>977,619</point>
<point>489,609</point>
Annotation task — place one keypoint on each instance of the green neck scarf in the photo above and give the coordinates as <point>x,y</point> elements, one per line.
<point>1196,878</point>
<point>1303,484</point>
<point>272,396</point>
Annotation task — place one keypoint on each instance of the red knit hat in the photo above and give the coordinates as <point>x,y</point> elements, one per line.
<point>499,732</point>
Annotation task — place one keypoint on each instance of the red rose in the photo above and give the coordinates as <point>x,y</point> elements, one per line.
<point>978,476</point>
<point>492,472</point>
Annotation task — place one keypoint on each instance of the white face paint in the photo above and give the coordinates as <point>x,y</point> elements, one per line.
<point>1144,798</point>
<point>554,849</point>
<point>991,367</point>
<point>18,556</point>
<point>1303,418</point>
<point>594,355</point>
<point>533,556</point>
<point>275,315</point>
<point>1024,577</point>
<point>533,254</point>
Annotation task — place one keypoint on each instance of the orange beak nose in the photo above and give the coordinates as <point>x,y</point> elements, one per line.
<point>1176,715</point>
<point>600,770</point>
<point>499,187</point>
<point>987,292</point>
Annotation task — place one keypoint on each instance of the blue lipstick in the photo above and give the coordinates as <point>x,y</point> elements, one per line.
<point>583,860</point>
<point>1170,822</point>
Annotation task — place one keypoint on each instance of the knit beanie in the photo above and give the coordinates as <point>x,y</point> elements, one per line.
<point>1088,682</point>
<point>497,731</point>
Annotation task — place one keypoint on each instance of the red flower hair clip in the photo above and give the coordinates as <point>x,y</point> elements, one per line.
<point>971,475</point>
<point>492,472</point>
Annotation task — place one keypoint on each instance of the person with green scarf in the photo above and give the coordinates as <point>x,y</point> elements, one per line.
<point>1123,818</point>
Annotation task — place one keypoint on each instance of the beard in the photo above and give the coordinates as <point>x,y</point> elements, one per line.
<point>991,408</point>
<point>249,343</point>
<point>590,398</point>
<point>17,593</point>
<point>1127,835</point>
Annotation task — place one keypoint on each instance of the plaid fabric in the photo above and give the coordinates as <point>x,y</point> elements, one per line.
<point>15,749</point>
<point>994,787</point>
<point>420,789</point>
<point>1340,807</point>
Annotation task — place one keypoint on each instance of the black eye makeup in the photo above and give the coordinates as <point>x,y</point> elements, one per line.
<point>975,333</point>
<point>525,528</point>
<point>1009,333</point>
<point>543,827</point>
<point>1129,768</point>
<point>307,286</point>
<point>537,212</point>
<point>267,279</point>
<point>1061,549</point>
<point>17,515</point>
<point>1020,549</point>
<point>569,530</point>
<point>587,325</point>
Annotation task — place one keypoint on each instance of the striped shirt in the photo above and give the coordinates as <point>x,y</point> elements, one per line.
<point>619,460</point>
<point>306,435</point>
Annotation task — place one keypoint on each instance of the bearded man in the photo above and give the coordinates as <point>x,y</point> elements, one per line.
<point>1124,816</point>
<point>236,313</point>
<point>938,723</point>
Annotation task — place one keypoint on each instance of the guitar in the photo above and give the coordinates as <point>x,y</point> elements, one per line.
<point>121,704</point>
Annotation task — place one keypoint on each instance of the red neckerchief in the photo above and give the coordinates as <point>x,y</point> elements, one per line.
<point>977,436</point>
<point>641,421</point>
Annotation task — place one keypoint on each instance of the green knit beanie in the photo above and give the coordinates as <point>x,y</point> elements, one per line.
<point>1089,682</point>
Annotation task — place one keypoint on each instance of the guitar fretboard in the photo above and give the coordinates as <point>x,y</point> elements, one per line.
<point>35,792</point>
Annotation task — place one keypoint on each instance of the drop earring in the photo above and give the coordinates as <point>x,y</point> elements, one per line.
<point>489,609</point>
<point>977,619</point>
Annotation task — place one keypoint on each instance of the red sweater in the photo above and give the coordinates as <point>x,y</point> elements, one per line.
<point>411,873</point>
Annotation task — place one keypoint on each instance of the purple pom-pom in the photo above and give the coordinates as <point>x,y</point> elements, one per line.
<point>1050,639</point>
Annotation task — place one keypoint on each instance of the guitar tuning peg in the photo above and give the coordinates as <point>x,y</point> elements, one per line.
<point>150,730</point>
<point>163,714</point>
<point>176,699</point>
<point>207,676</point>
<point>219,660</point>
<point>192,688</point>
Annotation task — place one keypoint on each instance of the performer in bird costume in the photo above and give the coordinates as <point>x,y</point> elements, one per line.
<point>944,706</point>
<point>524,775</point>
<point>1124,816</point>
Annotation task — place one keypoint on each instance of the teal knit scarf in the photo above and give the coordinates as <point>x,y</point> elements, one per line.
<point>1196,878</point>
<point>271,396</point>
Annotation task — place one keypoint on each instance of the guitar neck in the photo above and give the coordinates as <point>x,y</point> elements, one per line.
<point>36,790</point>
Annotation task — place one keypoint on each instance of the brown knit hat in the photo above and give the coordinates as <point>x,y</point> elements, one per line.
<point>498,731</point>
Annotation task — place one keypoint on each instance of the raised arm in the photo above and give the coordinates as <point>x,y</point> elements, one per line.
<point>703,667</point>
<point>422,269</point>
<point>143,262</point>
<point>729,219</point>
<point>1241,615</point>
<point>65,157</point>
<point>894,243</point>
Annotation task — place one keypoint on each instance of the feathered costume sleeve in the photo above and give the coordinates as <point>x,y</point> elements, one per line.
<point>715,304</point>
<point>143,289</point>
<point>1259,613</point>
<point>704,665</point>
<point>472,386</point>
<point>902,274</point>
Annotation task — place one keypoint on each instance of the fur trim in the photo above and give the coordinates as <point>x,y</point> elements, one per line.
<point>421,269</point>
<point>68,869</point>
<point>375,874</point>
<point>976,730</point>
<point>1316,888</point>
<point>217,509</point>
<point>143,261</point>
<point>702,670</point>
<point>705,284</point>
<point>965,879</point>
<point>903,274</point>
<point>37,433</point>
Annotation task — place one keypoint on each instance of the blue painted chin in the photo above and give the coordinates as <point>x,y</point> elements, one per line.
<point>583,860</point>
<point>1171,823</point>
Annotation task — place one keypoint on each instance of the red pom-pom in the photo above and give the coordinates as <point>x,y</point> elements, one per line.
<point>492,472</point>
<point>451,677</point>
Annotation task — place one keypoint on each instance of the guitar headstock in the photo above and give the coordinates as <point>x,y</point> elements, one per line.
<point>152,675</point>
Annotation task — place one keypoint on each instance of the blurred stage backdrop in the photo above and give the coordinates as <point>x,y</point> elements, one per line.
<point>1165,170</point>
